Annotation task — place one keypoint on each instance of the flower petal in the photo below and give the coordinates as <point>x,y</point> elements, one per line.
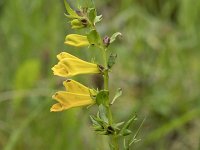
<point>75,87</point>
<point>63,55</point>
<point>76,40</point>
<point>70,100</point>
<point>68,67</point>
<point>58,107</point>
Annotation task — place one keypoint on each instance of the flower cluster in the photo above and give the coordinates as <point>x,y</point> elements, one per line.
<point>76,94</point>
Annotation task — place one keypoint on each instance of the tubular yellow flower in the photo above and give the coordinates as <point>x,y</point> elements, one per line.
<point>76,40</point>
<point>70,65</point>
<point>76,95</point>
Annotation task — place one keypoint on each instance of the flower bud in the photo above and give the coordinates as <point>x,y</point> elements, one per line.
<point>106,41</point>
<point>77,23</point>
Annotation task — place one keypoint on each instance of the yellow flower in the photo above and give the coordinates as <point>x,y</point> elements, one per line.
<point>75,95</point>
<point>76,40</point>
<point>70,65</point>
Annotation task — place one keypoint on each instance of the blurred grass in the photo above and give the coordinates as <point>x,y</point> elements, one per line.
<point>158,68</point>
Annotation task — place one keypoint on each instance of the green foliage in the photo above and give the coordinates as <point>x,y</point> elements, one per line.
<point>92,15</point>
<point>117,95</point>
<point>71,12</point>
<point>102,98</point>
<point>111,60</point>
<point>125,129</point>
<point>114,36</point>
<point>94,38</point>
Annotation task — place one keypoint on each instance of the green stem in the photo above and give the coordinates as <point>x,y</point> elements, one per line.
<point>113,138</point>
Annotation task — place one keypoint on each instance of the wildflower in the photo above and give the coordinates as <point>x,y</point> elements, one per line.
<point>70,65</point>
<point>76,95</point>
<point>76,40</point>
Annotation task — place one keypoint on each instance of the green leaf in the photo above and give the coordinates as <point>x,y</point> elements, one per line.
<point>102,113</point>
<point>94,38</point>
<point>114,36</point>
<point>98,19</point>
<point>98,128</point>
<point>94,122</point>
<point>117,95</point>
<point>116,125</point>
<point>127,125</point>
<point>98,121</point>
<point>111,60</point>
<point>102,98</point>
<point>103,132</point>
<point>126,132</point>
<point>70,10</point>
<point>92,15</point>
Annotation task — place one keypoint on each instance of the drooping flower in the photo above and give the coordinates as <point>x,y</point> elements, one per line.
<point>70,65</point>
<point>76,95</point>
<point>76,40</point>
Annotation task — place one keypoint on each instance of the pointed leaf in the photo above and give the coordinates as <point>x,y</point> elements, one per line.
<point>98,19</point>
<point>118,124</point>
<point>92,15</point>
<point>127,124</point>
<point>126,132</point>
<point>117,95</point>
<point>94,122</point>
<point>111,60</point>
<point>114,36</point>
<point>102,113</point>
<point>70,10</point>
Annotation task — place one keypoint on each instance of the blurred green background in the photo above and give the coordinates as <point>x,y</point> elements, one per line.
<point>158,69</point>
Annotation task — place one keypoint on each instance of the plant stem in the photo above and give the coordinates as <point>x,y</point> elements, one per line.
<point>113,138</point>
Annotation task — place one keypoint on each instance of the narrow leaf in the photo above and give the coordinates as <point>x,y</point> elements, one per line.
<point>126,132</point>
<point>98,19</point>
<point>117,95</point>
<point>92,15</point>
<point>118,124</point>
<point>102,113</point>
<point>94,122</point>
<point>70,10</point>
<point>111,60</point>
<point>127,124</point>
<point>114,36</point>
